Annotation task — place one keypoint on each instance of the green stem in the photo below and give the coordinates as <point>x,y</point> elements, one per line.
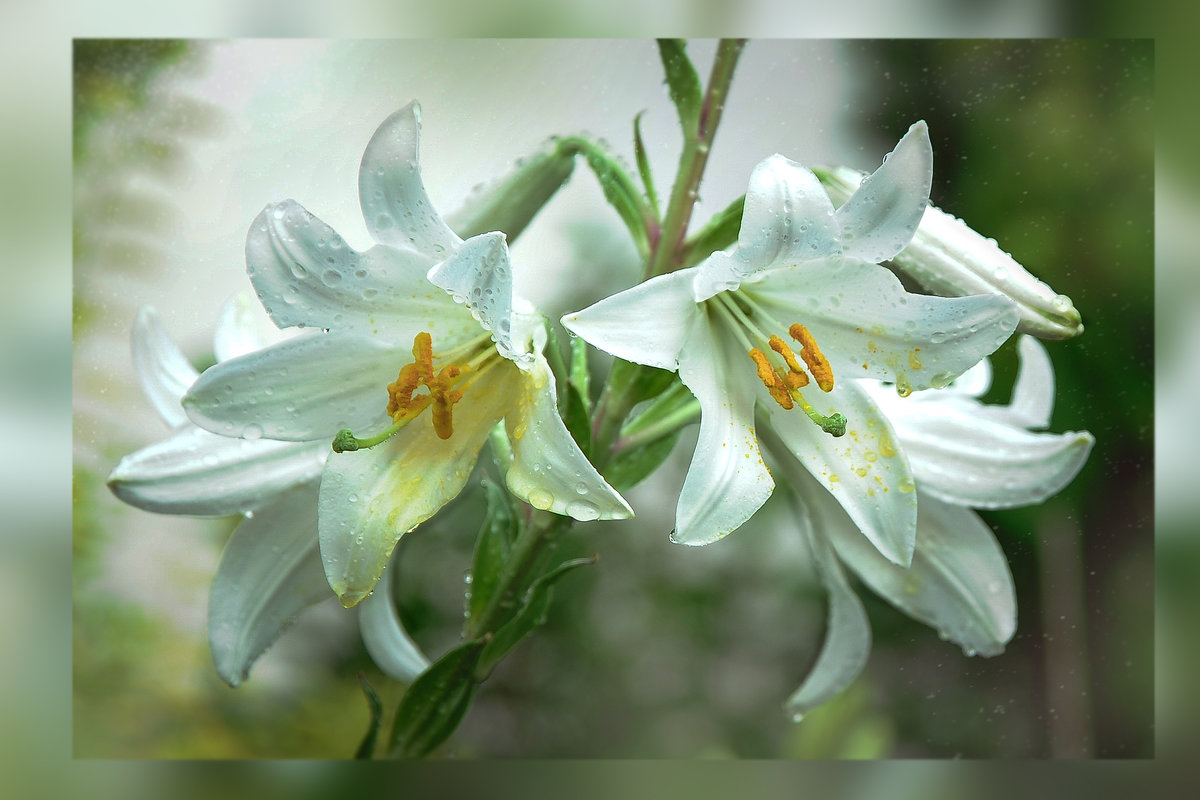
<point>667,253</point>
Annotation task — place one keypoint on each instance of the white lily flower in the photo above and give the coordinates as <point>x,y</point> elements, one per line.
<point>805,272</point>
<point>964,454</point>
<point>947,257</point>
<point>420,308</point>
<point>270,570</point>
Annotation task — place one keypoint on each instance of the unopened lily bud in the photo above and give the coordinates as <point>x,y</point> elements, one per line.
<point>949,258</point>
<point>509,203</point>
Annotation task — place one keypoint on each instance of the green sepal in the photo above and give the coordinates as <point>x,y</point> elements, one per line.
<point>630,467</point>
<point>496,535</point>
<point>643,165</point>
<point>510,203</point>
<point>683,83</point>
<point>367,749</point>
<point>581,377</point>
<point>436,702</point>
<point>720,232</point>
<point>532,614</point>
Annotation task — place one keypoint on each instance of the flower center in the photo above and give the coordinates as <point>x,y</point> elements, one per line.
<point>444,388</point>
<point>785,381</point>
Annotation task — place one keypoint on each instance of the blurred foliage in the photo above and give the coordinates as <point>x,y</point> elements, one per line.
<point>663,651</point>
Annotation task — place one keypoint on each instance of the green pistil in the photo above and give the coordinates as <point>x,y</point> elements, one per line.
<point>834,424</point>
<point>346,442</point>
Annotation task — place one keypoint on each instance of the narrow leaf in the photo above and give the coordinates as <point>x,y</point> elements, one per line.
<point>367,748</point>
<point>683,83</point>
<point>632,466</point>
<point>643,164</point>
<point>619,189</point>
<point>576,418</point>
<point>720,232</point>
<point>554,357</point>
<point>436,702</point>
<point>581,378</point>
<point>492,547</point>
<point>532,614</point>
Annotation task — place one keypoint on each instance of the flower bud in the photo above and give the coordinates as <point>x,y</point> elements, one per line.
<point>948,258</point>
<point>510,202</point>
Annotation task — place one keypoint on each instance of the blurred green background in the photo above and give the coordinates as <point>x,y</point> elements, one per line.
<point>659,650</point>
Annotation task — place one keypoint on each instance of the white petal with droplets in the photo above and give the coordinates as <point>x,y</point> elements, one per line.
<point>370,498</point>
<point>548,469</point>
<point>959,582</point>
<point>727,480</point>
<point>202,474</point>
<point>647,324</point>
<point>305,388</point>
<point>385,637</point>
<point>163,371</point>
<point>392,194</point>
<point>882,215</point>
<point>270,572</point>
<point>865,469</point>
<point>869,327</point>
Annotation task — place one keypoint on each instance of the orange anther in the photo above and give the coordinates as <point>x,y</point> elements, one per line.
<point>813,357</point>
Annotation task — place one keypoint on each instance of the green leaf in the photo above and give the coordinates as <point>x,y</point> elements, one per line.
<point>510,203</point>
<point>643,164</point>
<point>639,382</point>
<point>436,702</point>
<point>630,467</point>
<point>367,748</point>
<point>554,357</point>
<point>720,232</point>
<point>619,189</point>
<point>581,378</point>
<point>576,418</point>
<point>491,548</point>
<point>532,614</point>
<point>683,84</point>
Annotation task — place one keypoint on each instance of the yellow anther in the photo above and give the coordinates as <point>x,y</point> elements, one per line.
<point>781,347</point>
<point>776,386</point>
<point>813,357</point>
<point>403,405</point>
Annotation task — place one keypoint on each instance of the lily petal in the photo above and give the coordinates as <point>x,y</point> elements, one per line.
<point>198,473</point>
<point>620,324</point>
<point>865,470</point>
<point>727,480</point>
<point>307,276</point>
<point>880,218</point>
<point>479,276</point>
<point>548,469</point>
<point>384,635</point>
<point>392,195</point>
<point>162,369</point>
<point>270,571</point>
<point>869,327</point>
<point>301,389</point>
<point>370,498</point>
<point>788,218</point>
<point>1033,393</point>
<point>847,632</point>
<point>962,457</point>
<point>959,582</point>
<point>237,329</point>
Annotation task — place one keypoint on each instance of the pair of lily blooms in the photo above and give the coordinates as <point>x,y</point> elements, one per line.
<point>798,322</point>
